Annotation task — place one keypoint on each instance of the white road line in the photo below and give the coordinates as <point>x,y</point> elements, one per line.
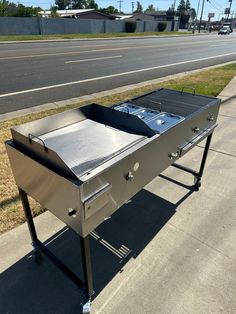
<point>104,50</point>
<point>93,59</point>
<point>75,52</point>
<point>218,45</point>
<point>113,75</point>
<point>99,50</point>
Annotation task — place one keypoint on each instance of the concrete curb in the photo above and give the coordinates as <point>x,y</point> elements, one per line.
<point>229,92</point>
<point>91,97</point>
<point>94,39</point>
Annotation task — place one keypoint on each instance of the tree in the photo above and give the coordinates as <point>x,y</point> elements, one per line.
<point>79,4</point>
<point>181,7</point>
<point>170,11</point>
<point>109,10</point>
<point>188,5</point>
<point>11,9</point>
<point>53,10</point>
<point>3,7</point>
<point>139,8</point>
<point>62,4</point>
<point>184,11</point>
<point>150,8</point>
<point>193,13</point>
<point>23,11</point>
<point>91,4</point>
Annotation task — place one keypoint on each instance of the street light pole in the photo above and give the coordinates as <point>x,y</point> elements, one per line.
<point>200,22</point>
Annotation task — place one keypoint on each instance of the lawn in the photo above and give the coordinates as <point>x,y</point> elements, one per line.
<point>85,36</point>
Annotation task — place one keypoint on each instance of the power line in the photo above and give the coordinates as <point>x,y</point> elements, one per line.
<point>214,6</point>
<point>120,1</point>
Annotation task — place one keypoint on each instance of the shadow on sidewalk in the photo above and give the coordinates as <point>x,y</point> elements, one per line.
<point>27,287</point>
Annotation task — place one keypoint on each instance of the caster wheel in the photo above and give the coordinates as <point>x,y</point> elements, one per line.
<point>86,307</point>
<point>37,257</point>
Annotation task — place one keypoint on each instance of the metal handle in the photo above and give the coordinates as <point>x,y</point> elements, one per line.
<point>189,87</point>
<point>32,136</point>
<point>173,155</point>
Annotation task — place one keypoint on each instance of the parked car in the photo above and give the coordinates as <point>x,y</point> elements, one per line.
<point>225,30</point>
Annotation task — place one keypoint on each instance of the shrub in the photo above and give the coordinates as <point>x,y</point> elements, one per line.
<point>161,26</point>
<point>130,26</point>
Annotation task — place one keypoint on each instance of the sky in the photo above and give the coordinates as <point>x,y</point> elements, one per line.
<point>212,6</point>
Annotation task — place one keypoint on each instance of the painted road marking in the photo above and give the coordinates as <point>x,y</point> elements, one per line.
<point>93,59</point>
<point>113,75</point>
<point>158,46</point>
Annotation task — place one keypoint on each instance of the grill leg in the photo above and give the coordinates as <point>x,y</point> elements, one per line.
<point>30,222</point>
<point>87,269</point>
<point>87,286</point>
<point>197,178</point>
<point>197,175</point>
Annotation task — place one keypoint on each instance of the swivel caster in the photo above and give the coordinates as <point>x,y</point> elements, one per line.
<point>37,256</point>
<point>197,183</point>
<point>86,307</point>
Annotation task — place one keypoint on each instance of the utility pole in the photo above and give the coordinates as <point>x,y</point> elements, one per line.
<point>230,1</point>
<point>200,22</point>
<point>195,21</point>
<point>132,3</point>
<point>174,4</point>
<point>120,1</point>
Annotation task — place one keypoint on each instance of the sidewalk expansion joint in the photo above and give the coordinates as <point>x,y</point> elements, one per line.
<point>218,151</point>
<point>202,242</point>
<point>225,116</point>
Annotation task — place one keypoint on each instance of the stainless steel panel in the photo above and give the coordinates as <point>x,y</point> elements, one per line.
<point>97,201</point>
<point>164,121</point>
<point>52,191</point>
<point>157,121</point>
<point>85,145</point>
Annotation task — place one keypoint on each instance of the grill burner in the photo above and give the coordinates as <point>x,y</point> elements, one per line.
<point>84,164</point>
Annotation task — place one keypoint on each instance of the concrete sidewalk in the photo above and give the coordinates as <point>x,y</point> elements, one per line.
<point>182,245</point>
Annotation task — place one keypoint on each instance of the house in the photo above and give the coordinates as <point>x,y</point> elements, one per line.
<point>80,14</point>
<point>150,16</point>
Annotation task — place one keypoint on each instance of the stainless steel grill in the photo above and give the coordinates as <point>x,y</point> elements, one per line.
<point>84,164</point>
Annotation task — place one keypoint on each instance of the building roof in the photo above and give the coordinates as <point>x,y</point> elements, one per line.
<point>63,13</point>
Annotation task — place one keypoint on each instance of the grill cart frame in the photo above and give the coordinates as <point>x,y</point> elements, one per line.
<point>83,197</point>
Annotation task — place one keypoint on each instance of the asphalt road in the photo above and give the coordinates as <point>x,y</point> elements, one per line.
<point>35,73</point>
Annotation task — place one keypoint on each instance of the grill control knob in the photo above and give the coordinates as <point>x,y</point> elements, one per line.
<point>211,118</point>
<point>196,130</point>
<point>71,212</point>
<point>173,155</point>
<point>129,176</point>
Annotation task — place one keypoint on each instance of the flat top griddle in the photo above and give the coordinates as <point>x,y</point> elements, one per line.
<point>87,144</point>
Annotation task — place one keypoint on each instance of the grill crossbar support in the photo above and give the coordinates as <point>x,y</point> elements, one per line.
<point>86,287</point>
<point>198,175</point>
